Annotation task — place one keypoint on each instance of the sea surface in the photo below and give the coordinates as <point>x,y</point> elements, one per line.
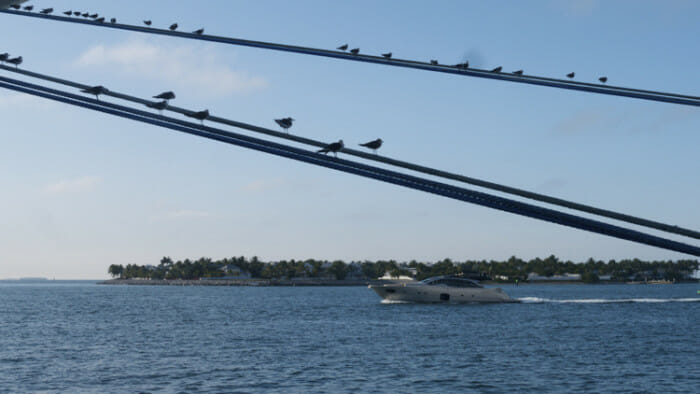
<point>58,336</point>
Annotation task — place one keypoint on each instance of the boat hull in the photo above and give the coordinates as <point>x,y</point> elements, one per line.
<point>418,293</point>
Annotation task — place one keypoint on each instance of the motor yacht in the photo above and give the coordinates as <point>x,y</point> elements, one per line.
<point>441,289</point>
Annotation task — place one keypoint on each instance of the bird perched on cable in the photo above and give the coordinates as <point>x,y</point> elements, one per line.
<point>201,115</point>
<point>94,16</point>
<point>332,147</point>
<point>85,14</point>
<point>113,20</point>
<point>519,72</point>
<point>603,79</point>
<point>497,69</point>
<point>165,96</point>
<point>4,57</point>
<point>374,145</point>
<point>387,55</point>
<point>343,47</point>
<point>285,123</point>
<point>198,32</point>
<point>68,13</point>
<point>46,11</point>
<point>96,90</point>
<point>16,61</point>
<point>15,6</point>
<point>159,105</point>
<point>76,13</point>
<point>173,27</point>
<point>434,62</point>
<point>355,51</point>
<point>29,8</point>
<point>147,23</point>
<point>571,74</point>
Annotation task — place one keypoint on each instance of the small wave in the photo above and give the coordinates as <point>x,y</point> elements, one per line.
<point>395,302</point>
<point>538,300</point>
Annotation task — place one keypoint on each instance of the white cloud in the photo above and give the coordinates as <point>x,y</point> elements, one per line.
<point>77,185</point>
<point>192,67</point>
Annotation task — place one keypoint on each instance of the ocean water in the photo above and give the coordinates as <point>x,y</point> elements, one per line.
<point>82,337</point>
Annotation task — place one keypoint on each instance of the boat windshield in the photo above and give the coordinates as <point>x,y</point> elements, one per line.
<point>451,282</point>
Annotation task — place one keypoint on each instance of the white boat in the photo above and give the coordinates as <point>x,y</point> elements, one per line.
<point>441,289</point>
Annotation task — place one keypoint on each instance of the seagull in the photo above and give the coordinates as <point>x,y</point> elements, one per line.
<point>96,90</point>
<point>355,51</point>
<point>387,55</point>
<point>434,62</point>
<point>94,16</point>
<point>603,79</point>
<point>147,23</point>
<point>497,69</point>
<point>464,65</point>
<point>374,145</point>
<point>68,13</point>
<point>46,11</point>
<point>159,105</point>
<point>100,19</point>
<point>570,75</point>
<point>4,57</point>
<point>165,96</point>
<point>519,72</point>
<point>16,61</point>
<point>343,47</point>
<point>201,115</point>
<point>29,8</point>
<point>173,27</point>
<point>199,32</point>
<point>332,147</point>
<point>15,6</point>
<point>113,20</point>
<point>76,13</point>
<point>85,15</point>
<point>285,123</point>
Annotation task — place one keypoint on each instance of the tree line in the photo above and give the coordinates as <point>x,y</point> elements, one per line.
<point>509,271</point>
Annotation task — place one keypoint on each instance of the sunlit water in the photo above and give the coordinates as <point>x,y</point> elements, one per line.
<point>77,336</point>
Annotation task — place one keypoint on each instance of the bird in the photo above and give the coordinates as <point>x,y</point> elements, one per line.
<point>15,6</point>
<point>199,32</point>
<point>113,20</point>
<point>285,123</point>
<point>571,74</point>
<point>332,147</point>
<point>94,16</point>
<point>603,79</point>
<point>4,57</point>
<point>497,69</point>
<point>434,62</point>
<point>374,145</point>
<point>29,8</point>
<point>96,90</point>
<point>355,51</point>
<point>387,55</point>
<point>68,13</point>
<point>16,61</point>
<point>173,27</point>
<point>76,13</point>
<point>165,96</point>
<point>519,72</point>
<point>46,11</point>
<point>85,14</point>
<point>201,115</point>
<point>343,47</point>
<point>159,105</point>
<point>100,19</point>
<point>147,23</point>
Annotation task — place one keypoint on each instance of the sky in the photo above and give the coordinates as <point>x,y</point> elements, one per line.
<point>81,190</point>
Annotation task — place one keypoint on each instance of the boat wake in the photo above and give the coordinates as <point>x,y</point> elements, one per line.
<point>537,300</point>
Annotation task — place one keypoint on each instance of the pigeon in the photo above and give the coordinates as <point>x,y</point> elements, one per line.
<point>159,105</point>
<point>343,47</point>
<point>113,20</point>
<point>15,6</point>
<point>147,23</point>
<point>173,27</point>
<point>29,8</point>
<point>100,19</point>
<point>96,90</point>
<point>285,123</point>
<point>434,62</point>
<point>355,51</point>
<point>603,79</point>
<point>165,96</point>
<point>198,32</point>
<point>94,16</point>
<point>16,61</point>
<point>68,13</point>
<point>201,115</point>
<point>332,147</point>
<point>497,69</point>
<point>46,11</point>
<point>571,75</point>
<point>387,55</point>
<point>374,145</point>
<point>4,57</point>
<point>519,72</point>
<point>76,13</point>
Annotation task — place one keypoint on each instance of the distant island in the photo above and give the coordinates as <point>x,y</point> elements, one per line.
<point>513,270</point>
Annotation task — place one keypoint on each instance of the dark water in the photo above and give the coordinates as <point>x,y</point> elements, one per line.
<point>78,337</point>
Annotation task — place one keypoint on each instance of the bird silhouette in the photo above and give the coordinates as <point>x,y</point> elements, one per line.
<point>434,62</point>
<point>96,90</point>
<point>100,19</point>
<point>201,115</point>
<point>85,15</point>
<point>374,145</point>
<point>571,74</point>
<point>46,11</point>
<point>68,13</point>
<point>497,69</point>
<point>387,55</point>
<point>355,51</point>
<point>76,13</point>
<point>285,123</point>
<point>199,32</point>
<point>173,27</point>
<point>113,20</point>
<point>15,6</point>
<point>343,47</point>
<point>29,8</point>
<point>4,57</point>
<point>94,16</point>
<point>519,72</point>
<point>165,96</point>
<point>464,65</point>
<point>16,61</point>
<point>603,79</point>
<point>332,147</point>
<point>147,23</point>
<point>159,105</point>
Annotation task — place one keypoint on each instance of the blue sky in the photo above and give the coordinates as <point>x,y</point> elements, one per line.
<point>83,190</point>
